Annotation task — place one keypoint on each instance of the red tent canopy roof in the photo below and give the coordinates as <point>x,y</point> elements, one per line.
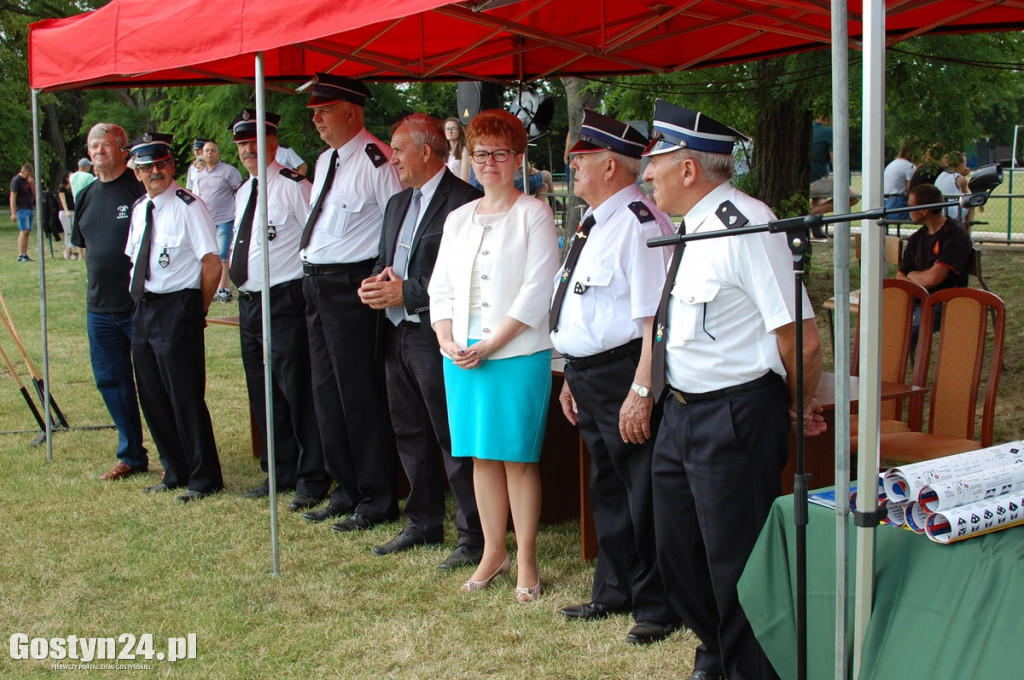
<point>134,43</point>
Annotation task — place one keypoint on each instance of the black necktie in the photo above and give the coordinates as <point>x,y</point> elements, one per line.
<point>141,273</point>
<point>318,206</point>
<point>578,241</point>
<point>660,319</point>
<point>239,271</point>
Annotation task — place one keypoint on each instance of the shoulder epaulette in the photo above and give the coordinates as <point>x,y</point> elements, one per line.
<point>731,217</point>
<point>642,212</point>
<point>377,156</point>
<point>292,175</point>
<point>185,196</point>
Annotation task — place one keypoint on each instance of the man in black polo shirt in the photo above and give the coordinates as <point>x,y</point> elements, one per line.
<point>102,218</point>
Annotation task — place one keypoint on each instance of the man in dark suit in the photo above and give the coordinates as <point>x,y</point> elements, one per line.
<point>413,223</point>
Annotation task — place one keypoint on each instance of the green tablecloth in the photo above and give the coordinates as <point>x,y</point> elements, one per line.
<point>940,611</point>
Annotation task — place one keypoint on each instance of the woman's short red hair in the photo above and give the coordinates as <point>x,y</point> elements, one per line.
<point>499,125</point>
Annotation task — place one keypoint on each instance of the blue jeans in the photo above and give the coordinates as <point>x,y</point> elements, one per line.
<point>24,216</point>
<point>897,201</point>
<point>110,347</point>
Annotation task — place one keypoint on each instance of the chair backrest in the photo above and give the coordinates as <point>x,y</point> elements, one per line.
<point>899,297</point>
<point>893,248</point>
<point>960,358</point>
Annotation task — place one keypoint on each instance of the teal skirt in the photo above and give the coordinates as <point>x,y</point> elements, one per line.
<point>498,411</point>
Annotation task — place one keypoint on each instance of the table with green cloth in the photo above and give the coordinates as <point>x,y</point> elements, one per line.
<point>940,611</point>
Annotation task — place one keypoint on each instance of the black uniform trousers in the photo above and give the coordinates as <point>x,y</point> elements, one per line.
<point>350,395</point>
<point>298,455</point>
<point>419,415</point>
<point>169,353</point>
<point>716,473</point>
<point>626,576</point>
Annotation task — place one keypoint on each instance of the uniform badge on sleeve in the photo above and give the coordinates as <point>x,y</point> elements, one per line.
<point>376,155</point>
<point>731,217</point>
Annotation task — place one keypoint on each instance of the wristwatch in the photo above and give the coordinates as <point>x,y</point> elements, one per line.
<point>641,391</point>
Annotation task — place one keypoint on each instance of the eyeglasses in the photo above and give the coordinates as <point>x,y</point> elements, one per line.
<point>499,156</point>
<point>159,165</point>
<point>451,129</point>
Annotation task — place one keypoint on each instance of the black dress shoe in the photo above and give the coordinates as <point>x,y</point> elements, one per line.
<point>354,522</point>
<point>646,632</point>
<point>698,674</point>
<point>324,514</point>
<point>192,495</point>
<point>462,556</point>
<point>403,541</point>
<point>302,502</point>
<point>588,611</point>
<point>156,488</point>
<point>261,491</point>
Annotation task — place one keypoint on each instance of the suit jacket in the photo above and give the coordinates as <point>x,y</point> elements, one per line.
<point>451,193</point>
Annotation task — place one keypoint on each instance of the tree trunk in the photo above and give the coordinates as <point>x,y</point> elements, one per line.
<point>577,97</point>
<point>52,133</point>
<point>782,156</point>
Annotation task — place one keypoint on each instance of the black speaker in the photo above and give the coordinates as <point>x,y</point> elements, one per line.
<point>475,96</point>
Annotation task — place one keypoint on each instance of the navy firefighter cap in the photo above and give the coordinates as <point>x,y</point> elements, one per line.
<point>244,125</point>
<point>328,89</point>
<point>679,128</point>
<point>604,133</point>
<point>150,148</point>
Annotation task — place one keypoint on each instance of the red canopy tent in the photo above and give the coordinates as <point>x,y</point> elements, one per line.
<point>138,44</point>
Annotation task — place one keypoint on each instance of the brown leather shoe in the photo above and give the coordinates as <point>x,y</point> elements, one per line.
<point>120,471</point>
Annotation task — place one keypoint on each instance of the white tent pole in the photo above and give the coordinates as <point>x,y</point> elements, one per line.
<point>841,277</point>
<point>38,219</point>
<point>268,376</point>
<point>870,313</point>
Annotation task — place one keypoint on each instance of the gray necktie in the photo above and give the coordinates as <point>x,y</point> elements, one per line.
<point>401,261</point>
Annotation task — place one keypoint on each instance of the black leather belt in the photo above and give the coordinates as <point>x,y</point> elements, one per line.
<point>256,294</point>
<point>340,268</point>
<point>409,325</point>
<point>150,297</point>
<point>687,398</point>
<point>629,349</point>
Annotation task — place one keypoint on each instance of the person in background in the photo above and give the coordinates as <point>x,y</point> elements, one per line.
<point>216,185</point>
<point>197,164</point>
<point>725,346</point>
<point>489,297</point>
<point>822,184</point>
<point>896,183</point>
<point>952,182</point>
<point>66,198</point>
<point>601,322</point>
<point>174,274</point>
<point>413,222</point>
<point>458,156</point>
<point>23,206</point>
<point>938,254</point>
<point>298,450</point>
<point>82,177</point>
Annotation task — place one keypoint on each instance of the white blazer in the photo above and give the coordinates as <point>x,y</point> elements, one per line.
<point>517,262</point>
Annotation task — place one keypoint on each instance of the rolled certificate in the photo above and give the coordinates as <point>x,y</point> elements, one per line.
<point>973,519</point>
<point>904,483</point>
<point>915,517</point>
<point>972,488</point>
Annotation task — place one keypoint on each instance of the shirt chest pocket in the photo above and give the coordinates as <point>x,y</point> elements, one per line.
<point>590,282</point>
<point>338,213</point>
<point>166,239</point>
<point>695,314</point>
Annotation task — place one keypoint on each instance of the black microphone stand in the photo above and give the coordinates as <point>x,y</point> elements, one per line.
<point>798,231</point>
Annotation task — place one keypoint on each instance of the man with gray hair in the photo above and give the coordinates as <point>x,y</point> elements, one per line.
<point>725,348</point>
<point>413,222</point>
<point>601,318</point>
<point>101,224</point>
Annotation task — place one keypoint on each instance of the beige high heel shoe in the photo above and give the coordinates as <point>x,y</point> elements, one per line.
<point>530,594</point>
<point>471,585</point>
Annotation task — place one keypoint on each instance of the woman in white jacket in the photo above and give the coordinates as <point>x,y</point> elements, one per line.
<point>489,298</point>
